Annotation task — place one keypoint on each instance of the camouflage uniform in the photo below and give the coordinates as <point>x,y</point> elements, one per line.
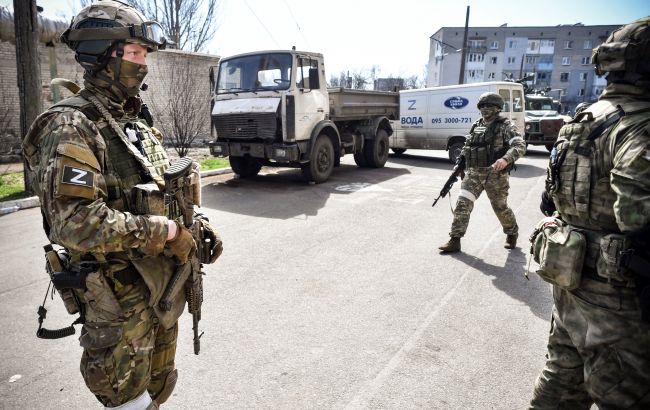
<point>599,344</point>
<point>504,138</point>
<point>85,170</point>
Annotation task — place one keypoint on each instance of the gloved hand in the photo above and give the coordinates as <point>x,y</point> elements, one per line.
<point>547,206</point>
<point>182,246</point>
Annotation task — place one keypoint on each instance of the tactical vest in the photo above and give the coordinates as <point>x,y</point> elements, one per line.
<point>484,146</point>
<point>578,176</point>
<point>123,170</point>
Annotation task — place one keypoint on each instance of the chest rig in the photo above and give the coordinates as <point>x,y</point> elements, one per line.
<point>128,165</point>
<point>485,144</point>
<point>578,176</point>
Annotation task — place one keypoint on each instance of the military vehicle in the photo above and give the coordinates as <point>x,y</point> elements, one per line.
<point>543,122</point>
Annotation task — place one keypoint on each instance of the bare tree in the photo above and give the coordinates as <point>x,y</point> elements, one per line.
<point>412,82</point>
<point>334,81</point>
<point>182,118</point>
<point>359,80</point>
<point>190,24</point>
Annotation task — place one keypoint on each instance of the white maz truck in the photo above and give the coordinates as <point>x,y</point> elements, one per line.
<point>273,108</point>
<point>439,118</point>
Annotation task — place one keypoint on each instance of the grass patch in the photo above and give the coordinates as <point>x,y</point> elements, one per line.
<point>12,186</point>
<point>214,163</point>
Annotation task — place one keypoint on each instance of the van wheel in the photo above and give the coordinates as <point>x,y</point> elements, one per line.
<point>454,151</point>
<point>320,165</point>
<point>377,151</point>
<point>398,151</point>
<point>245,167</point>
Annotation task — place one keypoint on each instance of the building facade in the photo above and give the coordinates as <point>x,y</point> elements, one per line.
<point>556,59</point>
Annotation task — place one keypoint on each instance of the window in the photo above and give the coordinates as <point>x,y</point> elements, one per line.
<point>583,76</point>
<point>581,92</point>
<point>533,46</point>
<point>307,73</point>
<point>566,60</point>
<point>568,45</point>
<point>475,57</point>
<point>564,77</point>
<point>512,44</point>
<point>493,60</point>
<point>517,106</point>
<point>494,45</point>
<point>511,60</point>
<point>586,60</point>
<point>491,76</point>
<point>505,94</point>
<point>531,59</point>
<point>587,45</point>
<point>597,91</point>
<point>476,43</point>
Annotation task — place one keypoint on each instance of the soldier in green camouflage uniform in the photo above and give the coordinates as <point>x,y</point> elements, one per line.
<point>491,149</point>
<point>90,154</point>
<point>599,183</point>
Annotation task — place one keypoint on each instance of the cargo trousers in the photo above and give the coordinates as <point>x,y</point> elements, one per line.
<point>496,186</point>
<point>598,350</point>
<point>135,355</point>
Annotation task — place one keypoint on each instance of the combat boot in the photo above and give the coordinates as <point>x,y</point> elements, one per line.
<point>511,241</point>
<point>452,246</point>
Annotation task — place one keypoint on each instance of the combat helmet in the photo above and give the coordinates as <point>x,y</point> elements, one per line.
<point>490,99</point>
<point>626,51</point>
<point>98,27</point>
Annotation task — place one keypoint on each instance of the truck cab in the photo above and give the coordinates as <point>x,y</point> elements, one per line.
<point>273,108</point>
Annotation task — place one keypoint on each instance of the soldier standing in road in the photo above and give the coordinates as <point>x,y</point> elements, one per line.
<point>489,153</point>
<point>599,184</point>
<point>98,173</point>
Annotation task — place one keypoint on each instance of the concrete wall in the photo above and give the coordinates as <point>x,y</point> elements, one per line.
<point>170,72</point>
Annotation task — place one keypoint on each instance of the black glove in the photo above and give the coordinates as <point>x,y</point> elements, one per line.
<point>460,162</point>
<point>547,206</point>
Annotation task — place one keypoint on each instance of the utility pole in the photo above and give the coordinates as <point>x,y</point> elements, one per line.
<point>28,68</point>
<point>463,56</point>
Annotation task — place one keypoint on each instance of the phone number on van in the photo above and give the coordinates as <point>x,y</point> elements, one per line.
<point>418,122</point>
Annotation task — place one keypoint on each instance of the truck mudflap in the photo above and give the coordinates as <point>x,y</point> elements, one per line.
<point>276,152</point>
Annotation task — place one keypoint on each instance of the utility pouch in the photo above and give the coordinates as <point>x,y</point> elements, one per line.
<point>100,335</point>
<point>560,251</point>
<point>55,262</point>
<point>613,248</point>
<point>101,303</point>
<point>148,199</point>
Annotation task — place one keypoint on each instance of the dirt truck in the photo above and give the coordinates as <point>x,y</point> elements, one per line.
<point>272,108</point>
<point>543,122</point>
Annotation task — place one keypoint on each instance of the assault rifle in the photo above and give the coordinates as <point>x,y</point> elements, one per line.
<point>459,170</point>
<point>181,183</point>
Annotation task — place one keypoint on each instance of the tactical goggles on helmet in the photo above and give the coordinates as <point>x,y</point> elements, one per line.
<point>150,32</point>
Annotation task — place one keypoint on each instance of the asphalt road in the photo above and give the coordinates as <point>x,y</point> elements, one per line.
<point>329,296</point>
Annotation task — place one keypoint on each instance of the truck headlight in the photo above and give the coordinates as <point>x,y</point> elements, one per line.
<point>280,152</point>
<point>218,149</point>
<point>527,127</point>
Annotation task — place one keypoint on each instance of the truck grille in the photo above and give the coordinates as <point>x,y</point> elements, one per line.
<point>246,126</point>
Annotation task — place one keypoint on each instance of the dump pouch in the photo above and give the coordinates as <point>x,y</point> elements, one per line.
<point>559,249</point>
<point>101,303</point>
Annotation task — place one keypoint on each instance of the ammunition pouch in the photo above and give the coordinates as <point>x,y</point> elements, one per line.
<point>560,250</point>
<point>147,199</point>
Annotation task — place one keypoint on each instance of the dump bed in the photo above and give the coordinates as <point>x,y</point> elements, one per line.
<point>348,104</point>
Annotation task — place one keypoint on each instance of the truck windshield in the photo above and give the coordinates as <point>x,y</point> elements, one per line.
<point>255,73</point>
<point>539,105</point>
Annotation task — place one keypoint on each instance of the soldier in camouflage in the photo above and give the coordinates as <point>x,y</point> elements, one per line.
<point>90,154</point>
<point>599,183</point>
<point>489,153</point>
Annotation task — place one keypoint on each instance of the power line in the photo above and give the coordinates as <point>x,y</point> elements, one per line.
<point>258,19</point>
<point>297,25</point>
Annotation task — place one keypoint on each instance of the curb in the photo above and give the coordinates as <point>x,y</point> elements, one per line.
<point>8,207</point>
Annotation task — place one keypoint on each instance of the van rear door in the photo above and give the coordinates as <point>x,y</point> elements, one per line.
<point>513,109</point>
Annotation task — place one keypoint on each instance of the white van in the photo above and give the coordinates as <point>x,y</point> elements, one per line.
<point>440,117</point>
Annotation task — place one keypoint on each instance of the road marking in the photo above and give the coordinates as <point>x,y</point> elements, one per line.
<point>367,392</point>
<point>361,187</point>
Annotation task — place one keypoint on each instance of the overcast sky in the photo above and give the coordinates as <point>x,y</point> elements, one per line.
<point>357,34</point>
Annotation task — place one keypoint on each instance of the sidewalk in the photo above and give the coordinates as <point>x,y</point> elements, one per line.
<point>8,207</point>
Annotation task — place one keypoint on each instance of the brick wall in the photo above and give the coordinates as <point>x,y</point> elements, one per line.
<point>170,72</point>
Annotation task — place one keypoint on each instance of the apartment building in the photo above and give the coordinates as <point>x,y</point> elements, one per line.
<point>552,57</point>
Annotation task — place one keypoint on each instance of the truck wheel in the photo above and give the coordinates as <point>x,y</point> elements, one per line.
<point>376,152</point>
<point>399,151</point>
<point>360,159</point>
<point>454,151</point>
<point>320,165</point>
<point>245,166</point>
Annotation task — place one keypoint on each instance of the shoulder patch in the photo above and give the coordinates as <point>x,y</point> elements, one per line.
<point>78,176</point>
